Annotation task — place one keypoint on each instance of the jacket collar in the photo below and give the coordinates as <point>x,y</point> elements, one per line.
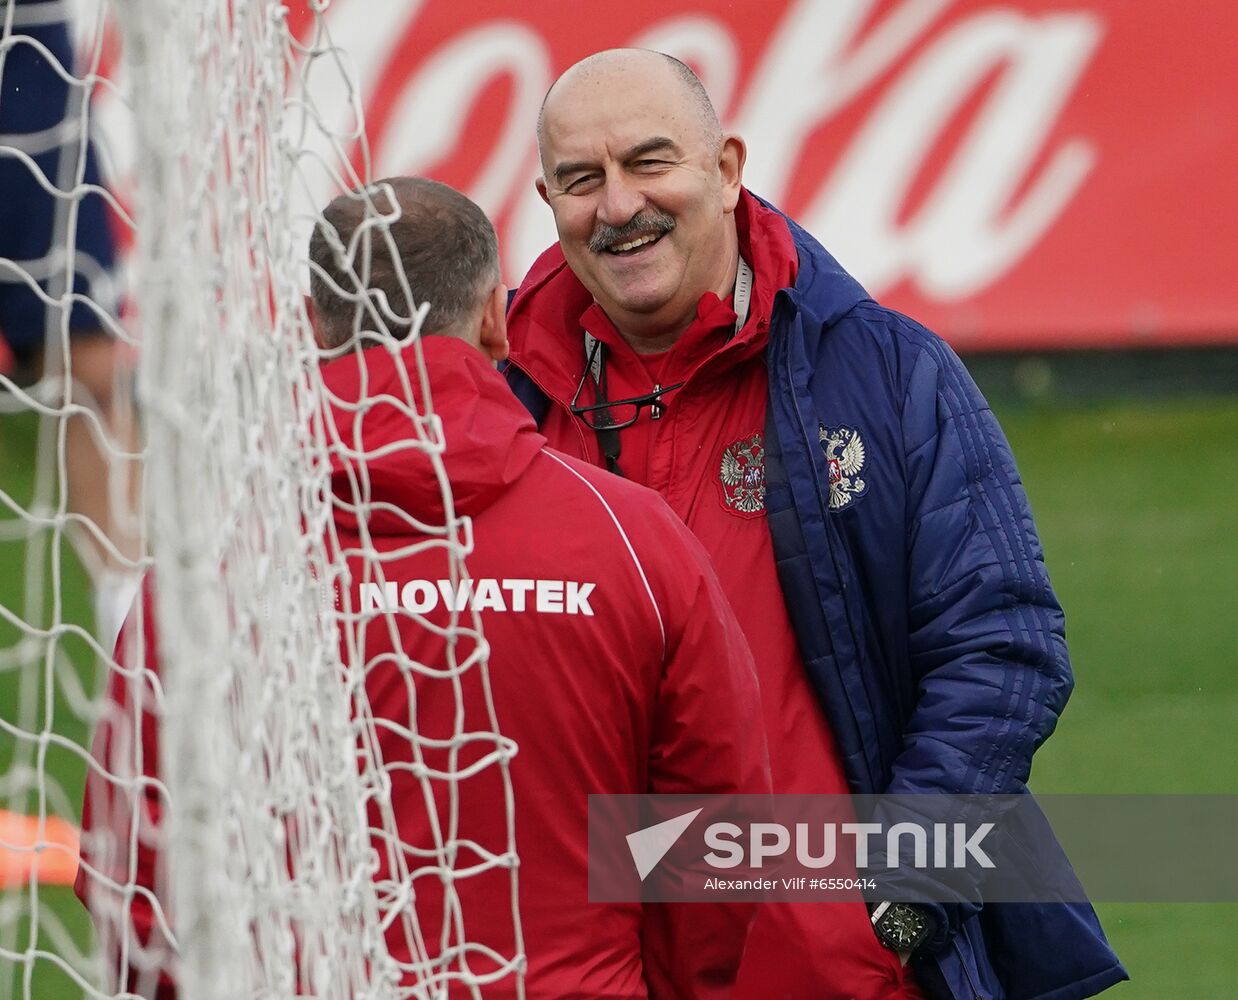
<point>822,286</point>
<point>381,440</point>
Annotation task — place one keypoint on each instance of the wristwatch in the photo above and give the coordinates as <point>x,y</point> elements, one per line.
<point>902,927</point>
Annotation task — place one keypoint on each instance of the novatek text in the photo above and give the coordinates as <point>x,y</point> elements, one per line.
<point>566,597</point>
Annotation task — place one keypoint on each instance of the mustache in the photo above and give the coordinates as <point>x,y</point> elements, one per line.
<point>651,220</point>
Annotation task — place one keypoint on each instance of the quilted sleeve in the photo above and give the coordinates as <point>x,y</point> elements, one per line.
<point>986,634</point>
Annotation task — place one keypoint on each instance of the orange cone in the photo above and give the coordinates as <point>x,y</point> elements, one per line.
<point>26,856</point>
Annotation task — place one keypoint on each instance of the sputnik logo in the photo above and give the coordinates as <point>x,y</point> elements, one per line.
<point>649,845</point>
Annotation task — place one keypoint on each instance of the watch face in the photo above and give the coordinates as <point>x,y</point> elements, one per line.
<point>903,927</point>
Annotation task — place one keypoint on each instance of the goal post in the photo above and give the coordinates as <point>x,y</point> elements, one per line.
<point>242,841</point>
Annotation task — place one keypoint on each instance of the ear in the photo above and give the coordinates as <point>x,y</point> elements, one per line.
<point>731,162</point>
<point>493,331</point>
<point>540,184</point>
<point>311,310</point>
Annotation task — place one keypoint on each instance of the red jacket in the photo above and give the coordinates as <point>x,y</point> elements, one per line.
<point>122,823</point>
<point>615,665</point>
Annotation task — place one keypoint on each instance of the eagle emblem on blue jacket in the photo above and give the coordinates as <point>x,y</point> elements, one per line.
<point>844,455</point>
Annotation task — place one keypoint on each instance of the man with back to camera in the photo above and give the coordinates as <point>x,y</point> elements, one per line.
<point>856,493</point>
<point>616,664</point>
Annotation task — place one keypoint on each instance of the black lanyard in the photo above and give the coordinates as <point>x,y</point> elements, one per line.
<point>608,437</point>
<point>595,361</point>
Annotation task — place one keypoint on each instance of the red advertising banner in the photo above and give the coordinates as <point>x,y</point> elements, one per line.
<point>1013,174</point>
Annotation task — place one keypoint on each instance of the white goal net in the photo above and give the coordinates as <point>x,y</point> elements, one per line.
<point>244,839</point>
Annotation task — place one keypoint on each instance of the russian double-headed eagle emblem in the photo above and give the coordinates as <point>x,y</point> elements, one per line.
<point>743,475</point>
<point>844,454</point>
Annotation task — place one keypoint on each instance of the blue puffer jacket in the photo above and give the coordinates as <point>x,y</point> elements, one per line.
<point>919,597</point>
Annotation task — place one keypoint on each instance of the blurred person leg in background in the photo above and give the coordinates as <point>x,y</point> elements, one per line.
<point>65,354</point>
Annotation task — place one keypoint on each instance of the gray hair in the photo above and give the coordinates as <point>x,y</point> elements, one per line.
<point>446,251</point>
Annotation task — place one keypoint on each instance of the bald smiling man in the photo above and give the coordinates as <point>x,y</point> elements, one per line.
<point>857,496</point>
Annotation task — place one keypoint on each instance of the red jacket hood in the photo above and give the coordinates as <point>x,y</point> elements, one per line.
<point>382,447</point>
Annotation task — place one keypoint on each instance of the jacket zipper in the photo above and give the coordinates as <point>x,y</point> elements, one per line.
<point>975,991</point>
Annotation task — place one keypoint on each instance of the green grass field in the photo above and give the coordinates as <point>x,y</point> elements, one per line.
<point>1135,504</point>
<point>1136,508</point>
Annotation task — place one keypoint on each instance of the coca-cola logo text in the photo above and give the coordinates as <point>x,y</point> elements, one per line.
<point>909,69</point>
